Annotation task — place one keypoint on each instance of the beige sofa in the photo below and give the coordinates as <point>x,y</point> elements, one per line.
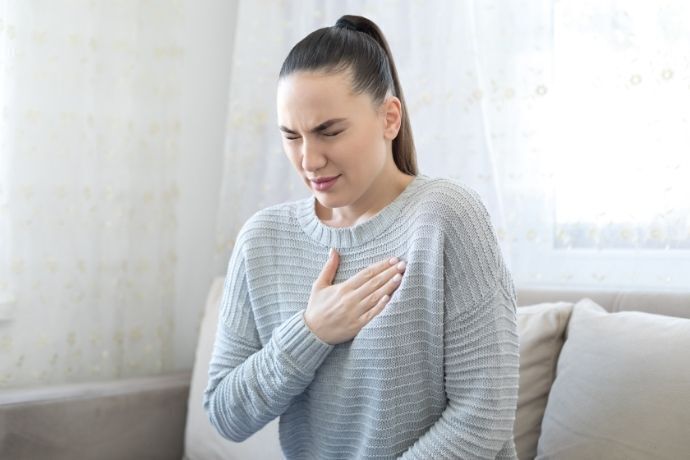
<point>610,383</point>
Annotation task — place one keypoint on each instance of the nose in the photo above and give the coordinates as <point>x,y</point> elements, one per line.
<point>312,159</point>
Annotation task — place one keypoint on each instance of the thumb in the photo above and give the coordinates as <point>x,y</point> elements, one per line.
<point>328,271</point>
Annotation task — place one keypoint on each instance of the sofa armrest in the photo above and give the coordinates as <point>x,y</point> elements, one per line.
<point>140,417</point>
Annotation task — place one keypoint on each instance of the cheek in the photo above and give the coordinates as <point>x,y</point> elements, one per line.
<point>291,153</point>
<point>366,145</point>
<point>290,148</point>
<point>359,141</point>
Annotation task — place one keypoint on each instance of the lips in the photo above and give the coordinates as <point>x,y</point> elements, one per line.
<point>323,179</point>
<point>323,184</point>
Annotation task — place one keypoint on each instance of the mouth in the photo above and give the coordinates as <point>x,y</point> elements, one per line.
<point>324,183</point>
<point>324,179</point>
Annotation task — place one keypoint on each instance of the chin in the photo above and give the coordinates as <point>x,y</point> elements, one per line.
<point>328,201</point>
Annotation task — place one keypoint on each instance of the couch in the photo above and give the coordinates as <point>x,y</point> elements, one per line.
<point>603,374</point>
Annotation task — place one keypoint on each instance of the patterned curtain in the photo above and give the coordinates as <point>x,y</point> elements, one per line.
<point>570,118</point>
<point>88,140</point>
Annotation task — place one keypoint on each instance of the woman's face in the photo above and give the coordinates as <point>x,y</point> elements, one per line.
<point>327,131</point>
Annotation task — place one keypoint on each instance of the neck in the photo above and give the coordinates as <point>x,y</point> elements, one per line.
<point>382,191</point>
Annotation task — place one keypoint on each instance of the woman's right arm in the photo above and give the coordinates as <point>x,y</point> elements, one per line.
<point>249,385</point>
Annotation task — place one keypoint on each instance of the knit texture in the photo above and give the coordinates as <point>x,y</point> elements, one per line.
<point>433,376</point>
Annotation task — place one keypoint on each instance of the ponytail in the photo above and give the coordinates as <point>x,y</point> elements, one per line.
<point>357,44</point>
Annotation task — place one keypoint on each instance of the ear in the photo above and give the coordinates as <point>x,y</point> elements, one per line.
<point>392,111</point>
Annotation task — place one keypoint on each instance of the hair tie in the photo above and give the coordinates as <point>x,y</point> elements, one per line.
<point>346,24</point>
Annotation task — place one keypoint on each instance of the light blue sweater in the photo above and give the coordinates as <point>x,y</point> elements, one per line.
<point>433,376</point>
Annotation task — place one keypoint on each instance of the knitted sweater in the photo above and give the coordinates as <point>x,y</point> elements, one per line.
<point>433,376</point>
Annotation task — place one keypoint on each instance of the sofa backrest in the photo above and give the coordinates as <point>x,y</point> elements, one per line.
<point>669,303</point>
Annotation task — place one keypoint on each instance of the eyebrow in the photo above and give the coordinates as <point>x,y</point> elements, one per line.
<point>320,127</point>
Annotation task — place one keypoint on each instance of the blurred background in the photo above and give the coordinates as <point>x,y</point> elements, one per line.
<point>136,137</point>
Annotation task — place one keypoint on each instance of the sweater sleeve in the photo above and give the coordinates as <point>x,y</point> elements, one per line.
<point>481,354</point>
<point>249,385</point>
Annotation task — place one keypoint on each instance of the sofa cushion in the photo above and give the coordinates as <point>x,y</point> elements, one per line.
<point>622,387</point>
<point>202,440</point>
<point>540,329</point>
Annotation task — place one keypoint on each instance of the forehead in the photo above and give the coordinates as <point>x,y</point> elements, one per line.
<point>306,97</point>
<point>315,85</point>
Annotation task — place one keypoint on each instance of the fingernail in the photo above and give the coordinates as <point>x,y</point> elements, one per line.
<point>330,253</point>
<point>393,260</point>
<point>401,265</point>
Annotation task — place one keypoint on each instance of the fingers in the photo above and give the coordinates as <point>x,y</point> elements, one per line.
<point>364,276</point>
<point>385,282</point>
<point>329,270</point>
<point>375,310</point>
<point>372,293</point>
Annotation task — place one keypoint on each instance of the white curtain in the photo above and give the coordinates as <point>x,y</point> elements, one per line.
<point>88,144</point>
<point>568,117</point>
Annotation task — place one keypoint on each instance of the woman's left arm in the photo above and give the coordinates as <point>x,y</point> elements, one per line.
<point>481,347</point>
<point>481,378</point>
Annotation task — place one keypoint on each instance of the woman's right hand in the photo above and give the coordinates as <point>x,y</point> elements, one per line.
<point>336,313</point>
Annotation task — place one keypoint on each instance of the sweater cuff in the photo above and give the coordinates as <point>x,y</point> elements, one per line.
<point>296,339</point>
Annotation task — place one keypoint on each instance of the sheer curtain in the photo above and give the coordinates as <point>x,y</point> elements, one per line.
<point>569,118</point>
<point>88,144</point>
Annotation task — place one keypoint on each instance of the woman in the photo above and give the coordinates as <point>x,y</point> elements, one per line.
<point>357,361</point>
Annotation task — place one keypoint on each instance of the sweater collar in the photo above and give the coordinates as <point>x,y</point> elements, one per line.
<point>345,237</point>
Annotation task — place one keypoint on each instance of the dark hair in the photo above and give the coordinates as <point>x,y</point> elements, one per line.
<point>355,44</point>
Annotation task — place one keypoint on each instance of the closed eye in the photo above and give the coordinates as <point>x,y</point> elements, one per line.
<point>325,134</point>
